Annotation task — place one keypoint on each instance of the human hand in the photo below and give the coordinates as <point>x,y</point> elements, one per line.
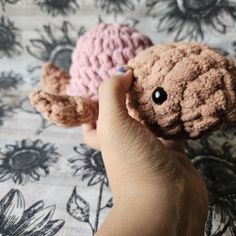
<point>156,189</point>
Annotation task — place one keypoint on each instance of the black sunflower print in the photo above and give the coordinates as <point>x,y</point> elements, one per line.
<point>217,166</point>
<point>43,123</point>
<point>16,220</point>
<point>190,19</point>
<point>10,80</point>
<point>114,6</point>
<point>6,112</point>
<point>27,160</point>
<point>130,21</point>
<point>54,44</point>
<point>4,2</point>
<point>58,7</point>
<point>10,44</point>
<point>89,166</point>
<point>228,133</point>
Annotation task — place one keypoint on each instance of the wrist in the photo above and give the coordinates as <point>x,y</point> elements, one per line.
<point>129,220</point>
<point>156,212</point>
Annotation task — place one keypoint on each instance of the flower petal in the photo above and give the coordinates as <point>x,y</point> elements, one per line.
<point>38,206</point>
<point>79,171</point>
<point>26,143</point>
<point>87,173</point>
<point>12,208</point>
<point>218,25</point>
<point>38,50</point>
<point>36,222</point>
<point>5,175</point>
<point>34,175</point>
<point>24,178</point>
<point>50,161</point>
<point>38,143</point>
<point>53,227</point>
<point>47,147</point>
<point>95,179</point>
<point>75,159</point>
<point>43,171</point>
<point>17,178</point>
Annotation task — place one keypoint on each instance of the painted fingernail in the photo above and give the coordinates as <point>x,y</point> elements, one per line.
<point>121,69</point>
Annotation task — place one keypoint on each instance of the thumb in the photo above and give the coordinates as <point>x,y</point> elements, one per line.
<point>112,100</point>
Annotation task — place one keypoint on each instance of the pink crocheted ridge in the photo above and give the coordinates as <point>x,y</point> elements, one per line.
<point>98,53</point>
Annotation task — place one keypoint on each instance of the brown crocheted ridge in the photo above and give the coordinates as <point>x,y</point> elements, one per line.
<point>54,80</point>
<point>64,110</point>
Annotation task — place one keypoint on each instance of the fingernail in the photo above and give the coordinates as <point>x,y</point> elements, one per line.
<point>122,69</point>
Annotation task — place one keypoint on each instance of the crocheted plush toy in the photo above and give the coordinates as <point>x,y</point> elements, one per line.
<point>95,58</point>
<point>180,90</point>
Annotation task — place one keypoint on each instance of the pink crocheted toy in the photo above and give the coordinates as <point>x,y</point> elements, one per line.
<point>180,90</point>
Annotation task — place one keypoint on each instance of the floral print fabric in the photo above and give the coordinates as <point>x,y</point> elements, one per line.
<point>53,184</point>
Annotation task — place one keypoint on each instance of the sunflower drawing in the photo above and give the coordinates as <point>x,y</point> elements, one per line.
<point>16,220</point>
<point>89,165</point>
<point>113,6</point>
<point>4,2</point>
<point>55,7</point>
<point>220,176</point>
<point>55,44</point>
<point>27,160</point>
<point>191,19</point>
<point>10,38</point>
<point>217,166</point>
<point>130,21</point>
<point>10,80</point>
<point>229,133</point>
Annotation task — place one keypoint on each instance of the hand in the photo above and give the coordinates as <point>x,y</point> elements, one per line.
<point>156,189</point>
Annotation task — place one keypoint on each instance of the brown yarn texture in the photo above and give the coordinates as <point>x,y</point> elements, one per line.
<point>200,85</point>
<point>65,111</point>
<point>199,82</point>
<point>54,80</point>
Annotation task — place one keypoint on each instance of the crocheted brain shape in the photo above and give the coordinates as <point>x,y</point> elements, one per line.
<point>182,90</point>
<point>98,53</point>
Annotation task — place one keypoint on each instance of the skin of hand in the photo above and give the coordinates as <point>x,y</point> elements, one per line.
<point>156,189</point>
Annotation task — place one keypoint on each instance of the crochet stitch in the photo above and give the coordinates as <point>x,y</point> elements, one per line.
<point>98,53</point>
<point>200,85</point>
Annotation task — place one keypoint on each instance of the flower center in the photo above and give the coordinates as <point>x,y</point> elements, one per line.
<point>7,82</point>
<point>6,37</point>
<point>197,6</point>
<point>97,163</point>
<point>61,56</point>
<point>2,112</point>
<point>56,3</point>
<point>25,159</point>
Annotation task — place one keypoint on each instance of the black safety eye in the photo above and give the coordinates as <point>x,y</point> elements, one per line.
<point>159,95</point>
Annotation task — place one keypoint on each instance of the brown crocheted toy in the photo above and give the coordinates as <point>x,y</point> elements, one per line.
<point>180,90</point>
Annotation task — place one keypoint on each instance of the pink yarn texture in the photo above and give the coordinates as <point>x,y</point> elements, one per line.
<point>98,53</point>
